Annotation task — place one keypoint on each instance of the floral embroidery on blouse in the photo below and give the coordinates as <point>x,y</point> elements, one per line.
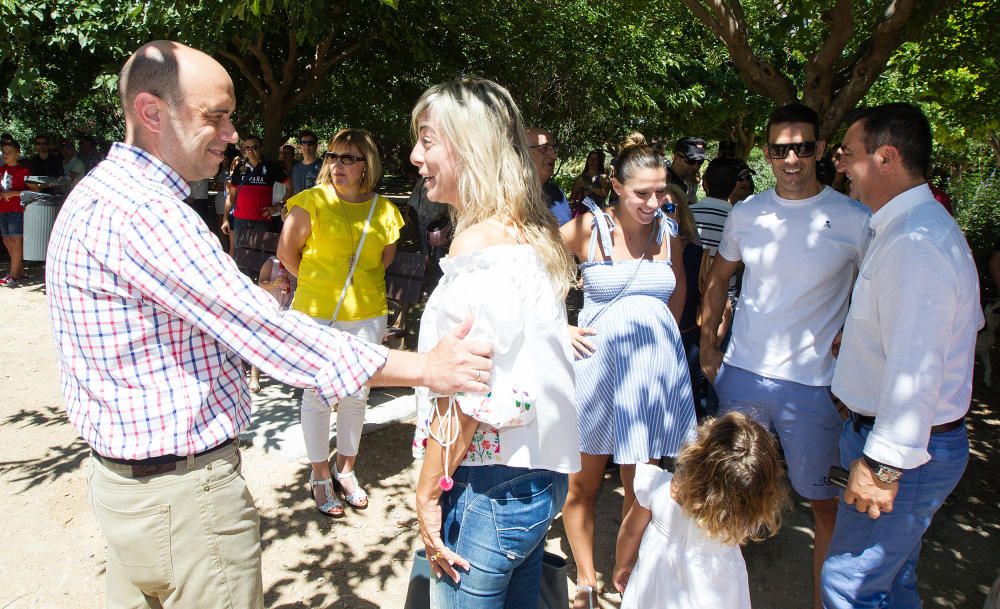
<point>503,408</point>
<point>485,445</point>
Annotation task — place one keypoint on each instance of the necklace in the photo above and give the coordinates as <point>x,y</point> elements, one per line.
<point>352,260</point>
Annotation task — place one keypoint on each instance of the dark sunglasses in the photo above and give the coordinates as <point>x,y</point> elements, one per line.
<point>307,142</point>
<point>251,147</point>
<point>802,149</point>
<point>691,161</point>
<point>345,159</point>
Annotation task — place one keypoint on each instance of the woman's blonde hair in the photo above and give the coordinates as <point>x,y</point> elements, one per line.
<point>731,481</point>
<point>363,141</point>
<point>689,230</point>
<point>496,174</point>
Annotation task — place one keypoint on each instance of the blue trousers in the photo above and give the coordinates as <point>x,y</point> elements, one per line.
<point>497,517</point>
<point>873,563</point>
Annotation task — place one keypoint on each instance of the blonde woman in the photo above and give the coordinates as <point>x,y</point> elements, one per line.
<point>496,464</point>
<point>338,238</point>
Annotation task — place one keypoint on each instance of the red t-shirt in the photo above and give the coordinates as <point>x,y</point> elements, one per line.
<point>17,176</point>
<point>255,187</point>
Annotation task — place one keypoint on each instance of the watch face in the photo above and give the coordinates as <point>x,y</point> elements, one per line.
<point>887,475</point>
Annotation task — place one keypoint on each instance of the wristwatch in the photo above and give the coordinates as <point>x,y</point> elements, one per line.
<point>883,472</point>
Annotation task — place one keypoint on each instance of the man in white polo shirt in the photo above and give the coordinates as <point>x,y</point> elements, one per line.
<point>905,367</point>
<point>801,244</point>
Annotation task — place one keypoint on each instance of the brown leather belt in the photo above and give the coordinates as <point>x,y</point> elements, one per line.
<point>154,466</point>
<point>860,419</point>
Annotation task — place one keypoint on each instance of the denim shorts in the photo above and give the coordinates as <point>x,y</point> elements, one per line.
<point>803,417</point>
<point>11,224</point>
<point>497,517</point>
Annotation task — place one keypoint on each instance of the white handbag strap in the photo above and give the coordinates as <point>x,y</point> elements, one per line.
<point>357,256</point>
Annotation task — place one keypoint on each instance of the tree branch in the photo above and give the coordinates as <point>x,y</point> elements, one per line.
<point>267,72</point>
<point>244,69</point>
<point>819,70</point>
<point>312,76</point>
<point>727,21</point>
<point>291,60</point>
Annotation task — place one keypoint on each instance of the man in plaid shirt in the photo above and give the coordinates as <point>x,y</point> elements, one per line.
<point>151,319</point>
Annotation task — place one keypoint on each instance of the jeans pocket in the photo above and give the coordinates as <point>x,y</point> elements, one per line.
<point>140,541</point>
<point>522,511</point>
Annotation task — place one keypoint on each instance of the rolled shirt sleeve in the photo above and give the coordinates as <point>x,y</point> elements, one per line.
<point>182,270</point>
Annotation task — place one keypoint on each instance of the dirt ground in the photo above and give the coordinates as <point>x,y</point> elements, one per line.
<point>53,554</point>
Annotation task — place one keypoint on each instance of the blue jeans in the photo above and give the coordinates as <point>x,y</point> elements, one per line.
<point>496,517</point>
<point>873,563</point>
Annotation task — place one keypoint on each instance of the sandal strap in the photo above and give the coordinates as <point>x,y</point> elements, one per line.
<point>359,495</point>
<point>332,503</point>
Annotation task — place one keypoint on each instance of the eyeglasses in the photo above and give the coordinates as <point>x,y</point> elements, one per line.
<point>345,159</point>
<point>307,142</point>
<point>693,161</point>
<point>802,150</point>
<point>251,147</point>
<point>545,148</point>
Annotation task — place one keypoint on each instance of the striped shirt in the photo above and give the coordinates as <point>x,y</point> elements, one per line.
<point>710,215</point>
<point>151,318</point>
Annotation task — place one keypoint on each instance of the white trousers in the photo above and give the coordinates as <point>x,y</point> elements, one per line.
<point>351,411</point>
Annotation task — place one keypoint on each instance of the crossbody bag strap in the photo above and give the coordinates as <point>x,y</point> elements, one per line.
<point>357,256</point>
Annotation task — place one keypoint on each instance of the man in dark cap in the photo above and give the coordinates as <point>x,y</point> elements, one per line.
<point>689,154</point>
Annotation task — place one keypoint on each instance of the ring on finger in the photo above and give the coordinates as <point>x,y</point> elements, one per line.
<point>434,556</point>
<point>479,374</point>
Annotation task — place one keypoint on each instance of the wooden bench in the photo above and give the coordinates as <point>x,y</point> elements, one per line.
<point>253,248</point>
<point>404,279</point>
<point>404,287</point>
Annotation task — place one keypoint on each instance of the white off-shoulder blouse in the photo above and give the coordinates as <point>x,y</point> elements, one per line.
<point>528,419</point>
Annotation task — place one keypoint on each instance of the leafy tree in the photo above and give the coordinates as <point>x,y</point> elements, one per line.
<point>828,53</point>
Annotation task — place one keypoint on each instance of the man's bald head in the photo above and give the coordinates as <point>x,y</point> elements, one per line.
<point>178,104</point>
<point>160,67</point>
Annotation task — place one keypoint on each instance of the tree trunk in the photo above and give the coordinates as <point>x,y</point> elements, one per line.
<point>274,113</point>
<point>993,139</point>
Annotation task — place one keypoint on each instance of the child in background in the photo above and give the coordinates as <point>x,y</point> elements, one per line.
<point>729,488</point>
<point>276,281</point>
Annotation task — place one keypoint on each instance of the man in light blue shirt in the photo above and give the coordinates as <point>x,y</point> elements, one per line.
<point>305,171</point>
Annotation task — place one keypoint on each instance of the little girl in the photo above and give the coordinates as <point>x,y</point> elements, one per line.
<point>276,281</point>
<point>729,488</point>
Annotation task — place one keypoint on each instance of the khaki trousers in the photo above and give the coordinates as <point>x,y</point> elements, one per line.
<point>189,538</point>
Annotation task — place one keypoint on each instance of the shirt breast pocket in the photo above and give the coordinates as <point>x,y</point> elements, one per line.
<point>863,299</point>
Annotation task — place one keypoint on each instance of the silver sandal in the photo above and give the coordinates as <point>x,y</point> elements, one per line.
<point>333,506</point>
<point>359,498</point>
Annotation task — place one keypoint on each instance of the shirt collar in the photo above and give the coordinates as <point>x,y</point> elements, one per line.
<point>900,204</point>
<point>149,167</point>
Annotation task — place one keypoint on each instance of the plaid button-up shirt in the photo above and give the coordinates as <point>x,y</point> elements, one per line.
<point>151,318</point>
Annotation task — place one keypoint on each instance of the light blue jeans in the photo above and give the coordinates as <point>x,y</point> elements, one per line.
<point>496,517</point>
<point>873,563</point>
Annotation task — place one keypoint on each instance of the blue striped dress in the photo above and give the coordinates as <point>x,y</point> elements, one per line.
<point>634,393</point>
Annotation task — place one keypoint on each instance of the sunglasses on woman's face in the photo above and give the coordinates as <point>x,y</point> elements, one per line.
<point>345,159</point>
<point>802,150</point>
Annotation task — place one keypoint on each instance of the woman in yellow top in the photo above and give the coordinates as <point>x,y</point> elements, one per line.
<point>338,239</point>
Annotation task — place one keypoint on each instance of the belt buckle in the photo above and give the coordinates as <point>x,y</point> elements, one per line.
<point>144,471</point>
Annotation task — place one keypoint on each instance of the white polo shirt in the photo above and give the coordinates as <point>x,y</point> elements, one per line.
<point>801,259</point>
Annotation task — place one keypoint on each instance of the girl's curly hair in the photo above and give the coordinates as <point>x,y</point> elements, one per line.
<point>731,480</point>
